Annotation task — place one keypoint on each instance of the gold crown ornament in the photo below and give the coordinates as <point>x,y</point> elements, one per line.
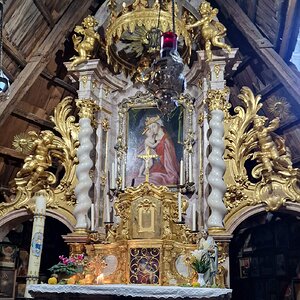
<point>133,34</point>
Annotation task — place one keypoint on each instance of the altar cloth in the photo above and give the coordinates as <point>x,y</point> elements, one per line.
<point>129,290</point>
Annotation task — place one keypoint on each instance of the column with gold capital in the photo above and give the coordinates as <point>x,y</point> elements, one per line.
<point>216,100</point>
<point>85,163</point>
<point>36,239</point>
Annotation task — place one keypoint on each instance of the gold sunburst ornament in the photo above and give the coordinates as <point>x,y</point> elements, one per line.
<point>23,142</point>
<point>279,107</point>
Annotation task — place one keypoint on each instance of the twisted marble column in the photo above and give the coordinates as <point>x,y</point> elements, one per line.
<point>85,164</point>
<point>216,102</point>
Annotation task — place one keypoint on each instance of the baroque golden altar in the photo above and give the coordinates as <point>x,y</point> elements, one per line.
<point>148,245</point>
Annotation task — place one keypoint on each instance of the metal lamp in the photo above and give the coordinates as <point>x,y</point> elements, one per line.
<point>167,81</point>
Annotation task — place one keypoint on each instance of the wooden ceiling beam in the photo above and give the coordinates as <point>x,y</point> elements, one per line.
<point>32,118</point>
<point>75,12</point>
<point>61,83</point>
<point>13,52</point>
<point>18,57</point>
<point>11,153</point>
<point>45,12</point>
<point>262,47</point>
<point>289,27</point>
<point>269,88</point>
<point>245,62</point>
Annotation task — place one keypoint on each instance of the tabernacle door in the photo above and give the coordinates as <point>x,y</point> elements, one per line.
<point>146,218</point>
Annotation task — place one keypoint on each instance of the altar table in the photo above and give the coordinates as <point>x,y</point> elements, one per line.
<point>119,291</point>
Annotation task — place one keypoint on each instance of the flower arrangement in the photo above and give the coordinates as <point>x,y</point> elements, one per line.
<point>68,266</point>
<point>200,260</point>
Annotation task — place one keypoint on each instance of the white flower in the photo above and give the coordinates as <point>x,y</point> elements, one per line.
<point>199,253</point>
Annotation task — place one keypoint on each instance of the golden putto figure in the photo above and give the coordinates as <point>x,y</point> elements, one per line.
<point>85,40</point>
<point>274,155</point>
<point>212,31</point>
<point>36,164</point>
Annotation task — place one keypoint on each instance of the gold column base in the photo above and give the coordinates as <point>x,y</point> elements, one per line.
<point>213,230</point>
<point>77,241</point>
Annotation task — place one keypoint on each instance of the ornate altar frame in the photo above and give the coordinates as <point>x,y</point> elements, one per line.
<point>146,100</point>
<point>170,238</point>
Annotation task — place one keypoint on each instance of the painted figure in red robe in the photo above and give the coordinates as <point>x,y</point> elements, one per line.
<point>165,169</point>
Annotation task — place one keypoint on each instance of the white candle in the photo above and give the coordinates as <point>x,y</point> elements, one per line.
<point>179,208</point>
<point>107,209</point>
<point>116,166</point>
<point>123,175</point>
<point>190,168</point>
<point>100,279</point>
<point>181,173</point>
<point>37,240</point>
<point>113,176</point>
<point>194,217</point>
<point>92,217</point>
<point>216,257</point>
<point>40,205</point>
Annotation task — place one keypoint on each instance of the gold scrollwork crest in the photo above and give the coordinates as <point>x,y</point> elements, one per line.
<point>250,137</point>
<point>44,148</point>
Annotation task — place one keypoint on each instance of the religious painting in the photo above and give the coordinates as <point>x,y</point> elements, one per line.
<point>144,266</point>
<point>8,254</point>
<point>161,139</point>
<point>23,263</point>
<point>244,267</point>
<point>7,283</point>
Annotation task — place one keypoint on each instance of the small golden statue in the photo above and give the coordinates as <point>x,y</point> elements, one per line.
<point>85,45</point>
<point>212,31</point>
<point>35,165</point>
<point>274,156</point>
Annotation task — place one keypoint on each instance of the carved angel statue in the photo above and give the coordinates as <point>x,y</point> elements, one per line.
<point>85,39</point>
<point>36,164</point>
<point>212,31</point>
<point>273,156</point>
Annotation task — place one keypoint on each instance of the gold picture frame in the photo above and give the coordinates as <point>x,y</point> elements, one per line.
<point>132,136</point>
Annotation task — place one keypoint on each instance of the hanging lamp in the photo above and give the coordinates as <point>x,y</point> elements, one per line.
<point>167,82</point>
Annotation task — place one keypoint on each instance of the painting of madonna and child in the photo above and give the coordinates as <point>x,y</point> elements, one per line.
<point>149,132</point>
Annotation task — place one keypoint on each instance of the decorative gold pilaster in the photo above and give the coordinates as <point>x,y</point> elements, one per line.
<point>87,108</point>
<point>217,99</point>
<point>223,255</point>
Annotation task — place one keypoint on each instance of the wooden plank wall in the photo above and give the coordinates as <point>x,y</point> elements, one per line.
<point>26,26</point>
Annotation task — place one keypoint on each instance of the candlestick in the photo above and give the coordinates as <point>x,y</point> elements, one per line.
<point>190,168</point>
<point>107,209</point>
<point>181,173</point>
<point>179,207</point>
<point>123,175</point>
<point>194,217</point>
<point>92,217</point>
<point>113,176</point>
